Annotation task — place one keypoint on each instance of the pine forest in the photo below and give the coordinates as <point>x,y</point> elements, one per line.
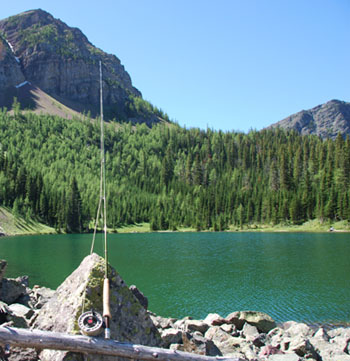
<point>167,175</point>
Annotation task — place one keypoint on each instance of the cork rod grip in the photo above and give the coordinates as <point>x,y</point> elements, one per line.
<point>106,308</point>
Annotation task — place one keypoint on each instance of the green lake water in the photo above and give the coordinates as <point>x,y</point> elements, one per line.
<point>291,276</point>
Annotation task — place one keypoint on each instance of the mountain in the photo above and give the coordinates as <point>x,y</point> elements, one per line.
<point>325,120</point>
<point>39,50</point>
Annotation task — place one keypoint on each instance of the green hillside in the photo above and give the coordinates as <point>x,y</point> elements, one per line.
<point>169,176</point>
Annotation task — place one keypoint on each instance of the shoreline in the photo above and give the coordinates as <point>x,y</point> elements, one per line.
<point>16,226</point>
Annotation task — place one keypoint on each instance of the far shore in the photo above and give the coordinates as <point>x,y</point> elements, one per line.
<point>16,226</point>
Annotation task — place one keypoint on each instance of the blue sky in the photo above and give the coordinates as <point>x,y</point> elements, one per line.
<point>223,64</point>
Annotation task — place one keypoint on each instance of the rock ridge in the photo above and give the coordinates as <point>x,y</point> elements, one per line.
<point>325,120</point>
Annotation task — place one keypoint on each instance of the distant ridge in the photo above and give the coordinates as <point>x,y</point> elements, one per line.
<point>325,120</point>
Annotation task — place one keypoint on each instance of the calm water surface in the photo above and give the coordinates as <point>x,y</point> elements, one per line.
<point>291,276</point>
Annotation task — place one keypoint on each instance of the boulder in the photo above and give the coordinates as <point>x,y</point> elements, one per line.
<point>214,319</point>
<point>171,336</point>
<point>162,322</point>
<point>12,289</point>
<point>301,346</point>
<point>181,324</point>
<point>40,295</point>
<point>23,354</point>
<point>195,325</point>
<point>285,357</point>
<point>262,321</point>
<point>250,332</point>
<point>83,290</point>
<point>217,334</point>
<point>3,266</point>
<point>200,345</point>
<point>140,296</point>
<point>293,329</point>
<point>21,311</point>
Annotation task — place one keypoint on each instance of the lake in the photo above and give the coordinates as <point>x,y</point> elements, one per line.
<point>290,276</point>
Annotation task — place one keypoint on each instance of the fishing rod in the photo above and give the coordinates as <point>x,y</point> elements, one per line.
<point>91,322</point>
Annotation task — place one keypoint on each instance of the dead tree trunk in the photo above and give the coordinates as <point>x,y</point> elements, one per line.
<point>59,341</point>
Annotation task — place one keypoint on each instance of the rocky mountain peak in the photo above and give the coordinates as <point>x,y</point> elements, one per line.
<point>325,120</point>
<point>61,61</point>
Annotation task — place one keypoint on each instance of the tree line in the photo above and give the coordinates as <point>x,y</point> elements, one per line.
<point>168,175</point>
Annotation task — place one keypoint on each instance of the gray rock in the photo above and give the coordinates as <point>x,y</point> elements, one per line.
<point>199,345</point>
<point>140,296</point>
<point>19,354</point>
<point>293,329</point>
<point>250,332</point>
<point>214,319</point>
<point>181,324</point>
<point>301,346</point>
<point>11,289</point>
<point>195,325</point>
<point>171,336</point>
<point>231,329</point>
<point>3,266</point>
<point>130,321</point>
<point>285,357</point>
<point>269,350</point>
<point>217,334</point>
<point>177,347</point>
<point>162,322</point>
<point>40,296</point>
<point>21,311</point>
<point>262,321</point>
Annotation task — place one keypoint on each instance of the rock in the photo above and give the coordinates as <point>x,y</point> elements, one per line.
<point>4,311</point>
<point>11,289</point>
<point>176,347</point>
<point>231,329</point>
<point>195,325</point>
<point>21,310</point>
<point>171,336</point>
<point>20,354</point>
<point>216,334</point>
<point>199,345</point>
<point>232,345</point>
<point>293,329</point>
<point>40,296</point>
<point>140,296</point>
<point>301,346</point>
<point>163,322</point>
<point>3,266</point>
<point>214,319</point>
<point>130,321</point>
<point>269,350</point>
<point>262,321</point>
<point>250,332</point>
<point>285,357</point>
<point>181,324</point>
<point>322,333</point>
<point>10,75</point>
<point>339,331</point>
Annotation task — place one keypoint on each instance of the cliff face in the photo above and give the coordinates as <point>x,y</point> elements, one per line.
<point>326,120</point>
<point>63,63</point>
<point>10,72</point>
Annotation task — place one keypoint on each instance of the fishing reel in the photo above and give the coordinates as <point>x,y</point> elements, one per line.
<point>90,323</point>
